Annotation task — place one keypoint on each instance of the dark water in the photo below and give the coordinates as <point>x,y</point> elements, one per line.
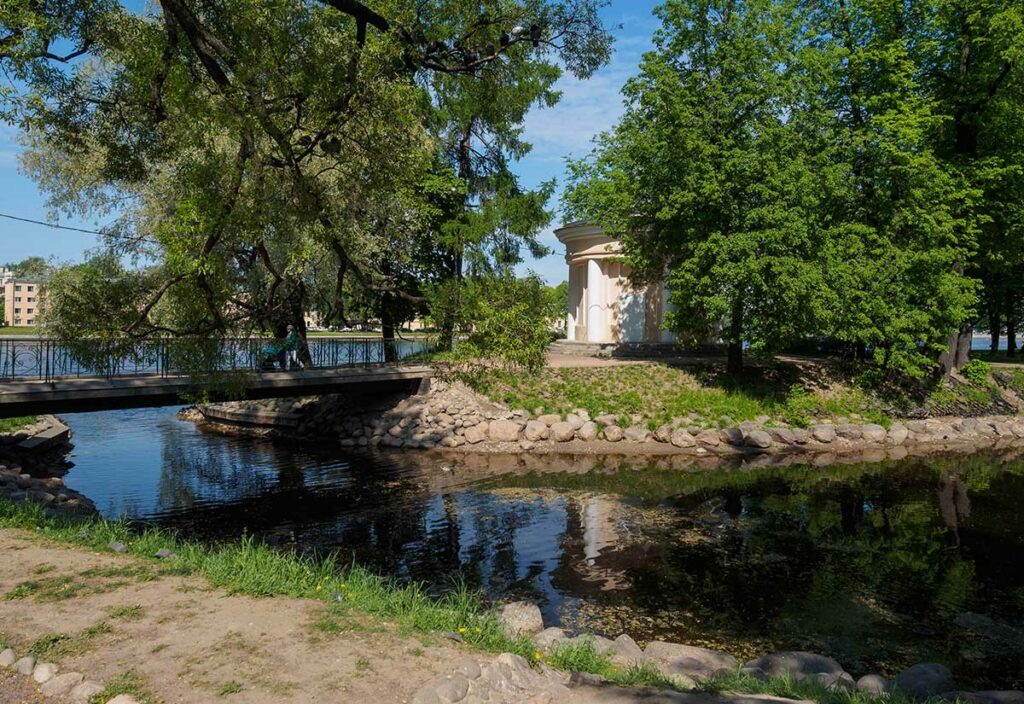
<point>879,565</point>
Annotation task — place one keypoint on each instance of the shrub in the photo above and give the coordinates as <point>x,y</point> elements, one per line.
<point>976,371</point>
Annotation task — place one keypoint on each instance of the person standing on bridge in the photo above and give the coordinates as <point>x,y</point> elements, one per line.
<point>291,349</point>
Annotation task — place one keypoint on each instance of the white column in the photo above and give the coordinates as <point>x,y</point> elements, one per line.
<point>570,318</point>
<point>595,302</point>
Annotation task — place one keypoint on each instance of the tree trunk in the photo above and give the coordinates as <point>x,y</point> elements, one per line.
<point>387,321</point>
<point>958,350</point>
<point>1011,337</point>
<point>734,364</point>
<point>994,327</point>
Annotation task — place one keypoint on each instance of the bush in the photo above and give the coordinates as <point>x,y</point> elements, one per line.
<point>976,371</point>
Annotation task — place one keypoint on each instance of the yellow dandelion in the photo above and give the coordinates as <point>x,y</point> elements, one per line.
<point>318,587</point>
<point>536,655</point>
<point>462,630</point>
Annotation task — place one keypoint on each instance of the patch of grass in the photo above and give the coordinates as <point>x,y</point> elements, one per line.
<point>228,688</point>
<point>1000,356</point>
<point>130,683</point>
<point>977,371</point>
<point>10,425</point>
<point>127,613</point>
<point>582,656</point>
<point>661,393</point>
<point>56,645</point>
<point>803,689</point>
<point>44,569</point>
<point>362,665</point>
<point>255,569</point>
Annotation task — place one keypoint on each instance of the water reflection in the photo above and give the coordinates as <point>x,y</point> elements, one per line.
<point>881,564</point>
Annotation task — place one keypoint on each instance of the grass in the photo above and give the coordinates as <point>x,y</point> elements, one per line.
<point>803,689</point>
<point>31,330</point>
<point>582,656</point>
<point>129,683</point>
<point>229,688</point>
<point>1000,356</point>
<point>9,425</point>
<point>660,393</point>
<point>254,569</point>
<point>53,646</point>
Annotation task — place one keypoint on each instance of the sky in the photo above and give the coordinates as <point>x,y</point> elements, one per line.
<point>586,109</point>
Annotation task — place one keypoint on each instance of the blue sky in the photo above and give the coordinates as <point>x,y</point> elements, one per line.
<point>587,108</point>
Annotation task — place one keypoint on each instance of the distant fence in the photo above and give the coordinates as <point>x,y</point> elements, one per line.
<point>43,359</point>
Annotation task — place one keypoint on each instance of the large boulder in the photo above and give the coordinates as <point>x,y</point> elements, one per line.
<point>521,618</point>
<point>548,638</point>
<point>476,433</point>
<point>503,431</point>
<point>925,680</point>
<point>796,665</point>
<point>587,431</point>
<point>897,434</point>
<point>550,419</point>
<point>709,437</point>
<point>677,660</point>
<point>875,685</point>
<point>1005,696</point>
<point>758,439</point>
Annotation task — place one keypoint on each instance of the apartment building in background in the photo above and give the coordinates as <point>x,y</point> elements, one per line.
<point>22,298</point>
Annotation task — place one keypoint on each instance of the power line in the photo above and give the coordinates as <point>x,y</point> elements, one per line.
<point>50,224</point>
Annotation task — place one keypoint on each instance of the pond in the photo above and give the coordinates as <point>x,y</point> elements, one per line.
<point>878,565</point>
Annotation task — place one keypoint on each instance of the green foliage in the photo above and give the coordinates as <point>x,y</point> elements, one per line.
<point>510,322</point>
<point>582,656</point>
<point>10,425</point>
<point>130,683</point>
<point>977,372</point>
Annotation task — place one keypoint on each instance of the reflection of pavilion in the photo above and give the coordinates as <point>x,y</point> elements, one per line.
<point>598,522</point>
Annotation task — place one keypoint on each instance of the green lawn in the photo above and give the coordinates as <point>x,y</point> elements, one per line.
<point>1000,356</point>
<point>8,425</point>
<point>20,330</point>
<point>660,392</point>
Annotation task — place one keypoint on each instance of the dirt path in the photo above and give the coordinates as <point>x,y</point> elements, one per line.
<point>190,643</point>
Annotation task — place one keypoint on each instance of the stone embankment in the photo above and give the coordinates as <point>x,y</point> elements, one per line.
<point>32,466</point>
<point>60,686</point>
<point>510,678</point>
<point>450,416</point>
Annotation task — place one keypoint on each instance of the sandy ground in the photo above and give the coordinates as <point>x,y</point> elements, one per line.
<point>189,642</point>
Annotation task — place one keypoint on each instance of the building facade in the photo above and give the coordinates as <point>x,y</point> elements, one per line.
<point>603,306</point>
<point>22,299</point>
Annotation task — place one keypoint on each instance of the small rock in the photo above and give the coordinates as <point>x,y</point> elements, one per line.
<point>832,682</point>
<point>550,419</point>
<point>874,684</point>
<point>586,679</point>
<point>681,438</point>
<point>60,685</point>
<point>25,665</point>
<point>636,433</point>
<point>503,431</point>
<point>824,433</point>
<point>8,657</point>
<point>452,688</point>
<point>562,431</point>
<point>897,434</point>
<point>925,680</point>
<point>475,434</point>
<point>588,431</point>
<point>123,699</point>
<point>709,438</point>
<point>796,665</point>
<point>784,436</point>
<point>731,436</point>
<point>575,420</point>
<point>44,672</point>
<point>81,694</point>
<point>848,432</point>
<point>663,433</point>
<point>548,637</point>
<point>801,436</point>
<point>758,439</point>
<point>535,430</point>
<point>873,433</point>
<point>165,554</point>
<point>613,433</point>
<point>521,618</point>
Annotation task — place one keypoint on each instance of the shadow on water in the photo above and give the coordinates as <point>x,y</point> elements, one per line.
<point>880,565</point>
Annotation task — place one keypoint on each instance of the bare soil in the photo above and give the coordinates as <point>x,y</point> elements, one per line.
<point>190,643</point>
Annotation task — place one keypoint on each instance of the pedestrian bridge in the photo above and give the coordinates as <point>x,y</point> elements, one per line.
<point>42,376</point>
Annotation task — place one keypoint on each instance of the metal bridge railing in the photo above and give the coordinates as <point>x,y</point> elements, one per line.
<point>44,359</point>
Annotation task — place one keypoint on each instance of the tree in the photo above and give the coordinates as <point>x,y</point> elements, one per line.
<point>241,143</point>
<point>704,178</point>
<point>31,268</point>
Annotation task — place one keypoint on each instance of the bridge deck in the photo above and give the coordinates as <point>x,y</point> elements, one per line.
<point>88,394</point>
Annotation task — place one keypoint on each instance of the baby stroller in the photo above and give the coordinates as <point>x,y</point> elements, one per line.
<point>273,358</point>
